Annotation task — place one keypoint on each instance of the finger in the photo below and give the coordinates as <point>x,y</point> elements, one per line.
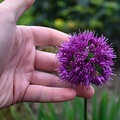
<point>85,92</point>
<point>36,93</point>
<point>44,36</point>
<point>16,7</point>
<point>50,80</point>
<point>47,79</point>
<point>45,61</point>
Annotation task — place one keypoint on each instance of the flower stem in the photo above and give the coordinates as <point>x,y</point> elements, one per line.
<point>85,109</point>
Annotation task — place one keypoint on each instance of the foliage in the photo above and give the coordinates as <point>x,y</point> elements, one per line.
<point>18,112</point>
<point>108,109</point>
<point>103,107</point>
<point>69,16</point>
<point>99,15</point>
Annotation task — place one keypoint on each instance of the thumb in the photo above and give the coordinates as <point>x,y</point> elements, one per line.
<point>16,7</point>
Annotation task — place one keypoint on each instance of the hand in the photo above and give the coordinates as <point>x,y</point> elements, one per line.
<point>21,65</point>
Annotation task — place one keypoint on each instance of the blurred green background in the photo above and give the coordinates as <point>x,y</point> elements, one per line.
<point>102,16</point>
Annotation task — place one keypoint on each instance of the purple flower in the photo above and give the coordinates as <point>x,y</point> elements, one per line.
<point>86,59</point>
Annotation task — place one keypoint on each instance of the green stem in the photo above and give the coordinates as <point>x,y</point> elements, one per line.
<point>85,109</point>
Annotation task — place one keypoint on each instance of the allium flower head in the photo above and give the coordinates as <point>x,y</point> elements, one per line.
<point>86,59</point>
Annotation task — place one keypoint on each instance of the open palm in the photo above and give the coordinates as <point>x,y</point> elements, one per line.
<point>21,66</point>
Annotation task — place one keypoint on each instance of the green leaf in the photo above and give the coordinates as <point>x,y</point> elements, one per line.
<point>53,114</point>
<point>29,110</point>
<point>14,113</point>
<point>42,114</point>
<point>79,108</point>
<point>103,106</point>
<point>114,108</point>
<point>94,108</point>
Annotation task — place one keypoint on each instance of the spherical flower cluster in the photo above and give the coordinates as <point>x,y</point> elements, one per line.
<point>86,59</point>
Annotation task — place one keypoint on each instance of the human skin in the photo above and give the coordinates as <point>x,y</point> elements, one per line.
<point>21,65</point>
